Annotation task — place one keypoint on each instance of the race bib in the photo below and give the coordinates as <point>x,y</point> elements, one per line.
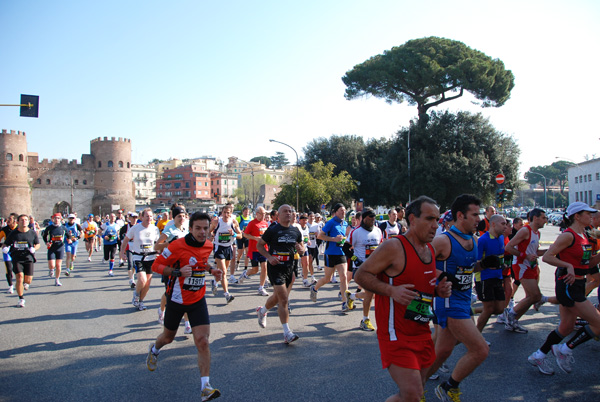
<point>21,245</point>
<point>312,236</point>
<point>464,278</point>
<point>282,256</point>
<point>587,254</point>
<point>224,237</point>
<point>57,239</point>
<point>419,309</point>
<point>194,282</point>
<point>369,249</point>
<point>146,248</point>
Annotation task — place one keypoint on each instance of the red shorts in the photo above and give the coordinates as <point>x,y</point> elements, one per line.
<point>506,272</point>
<point>415,355</point>
<point>523,271</point>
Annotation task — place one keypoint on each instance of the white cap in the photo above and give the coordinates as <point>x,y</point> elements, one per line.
<point>578,207</point>
<point>71,216</point>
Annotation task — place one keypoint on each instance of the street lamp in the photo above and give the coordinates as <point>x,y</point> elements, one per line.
<point>297,179</point>
<point>539,174</point>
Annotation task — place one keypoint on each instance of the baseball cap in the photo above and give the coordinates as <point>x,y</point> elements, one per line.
<point>58,214</point>
<point>90,215</point>
<point>579,207</point>
<point>134,214</point>
<point>71,216</point>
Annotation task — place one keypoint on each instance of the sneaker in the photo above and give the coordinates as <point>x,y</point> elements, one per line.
<point>188,329</point>
<point>110,273</point>
<point>132,284</point>
<point>444,368</point>
<point>21,303</point>
<point>122,264</point>
<point>511,303</point>
<point>161,316</point>
<point>452,395</point>
<point>136,300</point>
<point>232,280</point>
<point>306,283</point>
<point>229,298</point>
<point>26,286</point>
<point>51,273</point>
<point>334,280</point>
<point>290,337</point>
<point>501,319</point>
<point>345,307</point>
<point>366,325</point>
<point>11,290</point>
<point>564,360</point>
<point>340,296</point>
<point>351,305</point>
<point>518,328</point>
<point>89,259</point>
<point>215,287</point>
<point>151,359</point>
<point>542,364</point>
<point>434,376</point>
<point>57,283</point>
<point>262,318</point>
<point>243,277</point>
<point>510,318</point>
<point>538,304</point>
<point>313,280</point>
<point>313,294</point>
<point>67,272</point>
<point>209,393</point>
<point>262,292</point>
<point>141,306</point>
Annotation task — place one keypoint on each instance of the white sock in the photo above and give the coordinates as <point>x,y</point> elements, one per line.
<point>365,318</point>
<point>187,323</point>
<point>263,310</point>
<point>539,354</point>
<point>154,350</point>
<point>226,294</point>
<point>564,349</point>
<point>512,311</point>
<point>544,299</point>
<point>286,327</point>
<point>205,381</point>
<point>353,297</point>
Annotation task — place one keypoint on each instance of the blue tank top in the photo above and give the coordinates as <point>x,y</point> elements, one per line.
<point>73,229</point>
<point>460,265</point>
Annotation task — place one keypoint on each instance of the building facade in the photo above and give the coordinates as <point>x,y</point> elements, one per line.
<point>144,181</point>
<point>584,182</point>
<point>182,184</point>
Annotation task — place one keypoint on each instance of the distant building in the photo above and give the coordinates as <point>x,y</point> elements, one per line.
<point>584,182</point>
<point>144,180</point>
<point>183,184</point>
<point>223,186</point>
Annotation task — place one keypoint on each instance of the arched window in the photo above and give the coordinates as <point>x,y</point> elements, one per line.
<point>120,164</point>
<point>39,181</point>
<point>127,165</point>
<point>21,158</point>
<point>76,182</point>
<point>47,181</point>
<point>85,182</point>
<point>110,164</point>
<point>99,164</point>
<point>9,157</point>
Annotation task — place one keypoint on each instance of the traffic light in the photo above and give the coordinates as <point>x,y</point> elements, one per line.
<point>505,195</point>
<point>499,195</point>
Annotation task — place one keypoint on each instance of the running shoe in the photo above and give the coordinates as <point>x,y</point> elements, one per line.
<point>452,395</point>
<point>57,283</point>
<point>262,318</point>
<point>444,368</point>
<point>340,296</point>
<point>511,303</point>
<point>136,300</point>
<point>313,280</point>
<point>151,359</point>
<point>334,280</point>
<point>68,272</point>
<point>161,316</point>
<point>306,283</point>
<point>26,286</point>
<point>89,259</point>
<point>121,263</point>
<point>215,287</point>
<point>232,280</point>
<point>366,325</point>
<point>290,337</point>
<point>188,329</point>
<point>510,318</point>
<point>564,360</point>
<point>51,273</point>
<point>313,294</point>
<point>243,277</point>
<point>21,303</point>
<point>345,307</point>
<point>229,298</point>
<point>539,304</point>
<point>11,290</point>
<point>351,305</point>
<point>132,284</point>
<point>501,319</point>
<point>110,273</point>
<point>262,292</point>
<point>518,328</point>
<point>432,377</point>
<point>542,364</point>
<point>209,393</point>
<point>141,306</point>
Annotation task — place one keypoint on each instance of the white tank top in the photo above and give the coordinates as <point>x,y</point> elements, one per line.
<point>223,236</point>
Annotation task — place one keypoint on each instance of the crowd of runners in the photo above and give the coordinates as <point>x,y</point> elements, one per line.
<point>423,269</point>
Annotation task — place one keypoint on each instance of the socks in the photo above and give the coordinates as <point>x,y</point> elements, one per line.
<point>111,264</point>
<point>451,383</point>
<point>554,338</point>
<point>205,381</point>
<point>583,335</point>
<point>286,327</point>
<point>263,310</point>
<point>154,350</point>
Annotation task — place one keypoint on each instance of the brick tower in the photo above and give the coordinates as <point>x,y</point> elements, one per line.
<point>15,193</point>
<point>112,176</point>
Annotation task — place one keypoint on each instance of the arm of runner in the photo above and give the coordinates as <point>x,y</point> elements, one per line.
<point>260,246</point>
<point>161,243</point>
<point>324,237</point>
<point>511,247</point>
<point>388,257</point>
<point>443,288</point>
<point>236,229</point>
<point>550,257</point>
<point>124,242</point>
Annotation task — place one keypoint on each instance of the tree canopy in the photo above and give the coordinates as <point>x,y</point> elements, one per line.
<point>429,71</point>
<point>278,160</point>
<point>265,160</point>
<point>556,173</point>
<point>245,190</point>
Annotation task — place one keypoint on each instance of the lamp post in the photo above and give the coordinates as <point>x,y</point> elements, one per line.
<point>297,177</point>
<point>539,174</point>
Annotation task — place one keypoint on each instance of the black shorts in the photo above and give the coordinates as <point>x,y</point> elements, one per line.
<point>256,259</point>
<point>24,267</point>
<point>110,251</point>
<point>567,295</point>
<point>224,253</point>
<point>241,243</point>
<point>143,266</point>
<point>332,260</point>
<point>56,253</point>
<point>9,267</point>
<point>280,274</point>
<point>197,314</point>
<point>313,252</point>
<point>490,290</point>
<point>593,270</point>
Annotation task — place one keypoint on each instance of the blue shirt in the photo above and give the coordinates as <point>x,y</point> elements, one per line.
<point>486,246</point>
<point>460,265</point>
<point>334,227</point>
<point>112,233</point>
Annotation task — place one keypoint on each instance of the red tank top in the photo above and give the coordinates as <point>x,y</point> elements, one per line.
<point>578,253</point>
<point>396,321</point>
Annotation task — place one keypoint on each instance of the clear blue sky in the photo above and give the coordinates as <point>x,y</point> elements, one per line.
<point>190,78</point>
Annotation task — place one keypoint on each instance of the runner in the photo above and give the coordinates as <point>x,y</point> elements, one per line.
<point>141,239</point>
<point>11,224</point>
<point>283,240</point>
<point>593,235</point>
<point>22,244</point>
<point>390,228</point>
<point>307,268</point>
<point>484,224</point>
<point>335,260</point>
<point>456,255</point>
<point>110,235</point>
<point>320,223</point>
<point>226,230</point>
<point>524,246</point>
<point>98,239</point>
<point>242,244</point>
<point>313,247</point>
<point>89,235</point>
<point>571,254</point>
<point>124,250</point>
<point>72,242</point>
<point>401,273</point>
<point>55,236</point>
<point>253,232</point>
<point>185,262</point>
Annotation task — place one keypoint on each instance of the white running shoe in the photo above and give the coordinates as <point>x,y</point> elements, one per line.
<point>334,280</point>
<point>51,273</point>
<point>136,300</point>
<point>262,292</point>
<point>57,283</point>
<point>563,360</point>
<point>306,283</point>
<point>232,280</point>
<point>161,316</point>
<point>110,273</point>
<point>188,329</point>
<point>290,337</point>
<point>141,306</point>
<point>243,277</point>
<point>26,286</point>
<point>542,364</point>
<point>89,259</point>
<point>229,298</point>
<point>11,289</point>
<point>539,303</point>
<point>21,303</point>
<point>262,318</point>
<point>313,294</point>
<point>501,319</point>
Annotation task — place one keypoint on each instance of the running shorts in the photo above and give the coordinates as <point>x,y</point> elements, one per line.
<point>143,266</point>
<point>332,260</point>
<point>567,295</point>
<point>414,355</point>
<point>197,314</point>
<point>109,251</point>
<point>280,274</point>
<point>224,253</point>
<point>313,252</point>
<point>241,243</point>
<point>459,311</point>
<point>71,248</point>
<point>24,267</point>
<point>522,271</point>
<point>56,253</point>
<point>490,290</point>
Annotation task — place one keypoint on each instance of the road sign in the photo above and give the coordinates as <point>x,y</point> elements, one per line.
<point>500,178</point>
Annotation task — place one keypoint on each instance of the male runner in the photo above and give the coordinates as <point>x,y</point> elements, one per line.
<point>22,244</point>
<point>54,236</point>
<point>226,230</point>
<point>110,235</point>
<point>242,244</point>
<point>89,235</point>
<point>124,249</point>
<point>11,224</point>
<point>72,243</point>
<point>284,240</point>
<point>390,228</point>
<point>313,248</point>
<point>524,246</point>
<point>484,225</point>
<point>401,272</point>
<point>335,260</point>
<point>307,267</point>
<point>253,232</point>
<point>185,262</point>
<point>456,256</point>
<point>141,239</point>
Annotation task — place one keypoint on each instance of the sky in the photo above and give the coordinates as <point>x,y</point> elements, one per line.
<point>184,79</point>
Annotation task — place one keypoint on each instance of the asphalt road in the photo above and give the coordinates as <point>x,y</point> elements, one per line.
<point>85,341</point>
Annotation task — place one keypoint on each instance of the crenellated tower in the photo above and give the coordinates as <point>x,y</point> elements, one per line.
<point>15,192</point>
